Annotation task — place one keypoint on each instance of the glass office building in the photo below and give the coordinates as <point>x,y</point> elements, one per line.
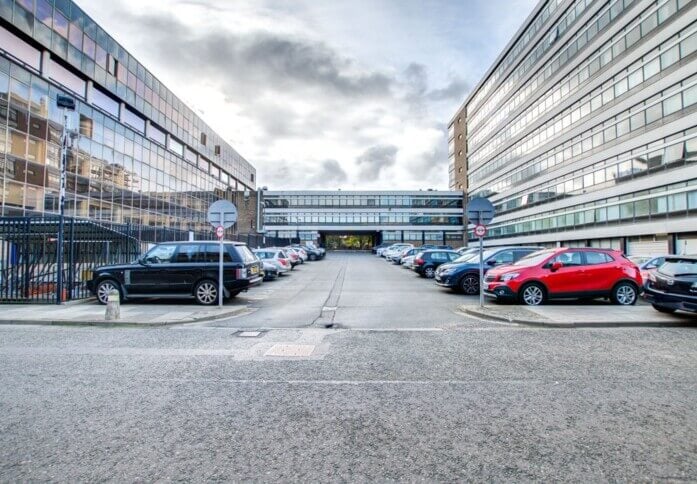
<point>584,131</point>
<point>140,157</point>
<point>417,217</point>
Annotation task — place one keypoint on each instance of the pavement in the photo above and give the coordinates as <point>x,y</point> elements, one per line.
<point>404,386</point>
<point>89,313</point>
<point>580,316</point>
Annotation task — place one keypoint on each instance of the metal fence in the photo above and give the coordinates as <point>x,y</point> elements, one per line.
<point>29,253</point>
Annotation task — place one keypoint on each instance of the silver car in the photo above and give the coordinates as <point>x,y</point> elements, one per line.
<point>276,257</point>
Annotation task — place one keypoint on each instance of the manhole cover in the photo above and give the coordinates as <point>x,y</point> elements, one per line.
<point>290,350</point>
<point>249,334</point>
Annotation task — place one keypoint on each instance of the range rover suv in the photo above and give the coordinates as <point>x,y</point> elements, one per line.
<point>181,270</point>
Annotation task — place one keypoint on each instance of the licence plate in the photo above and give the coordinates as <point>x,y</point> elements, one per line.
<point>254,270</point>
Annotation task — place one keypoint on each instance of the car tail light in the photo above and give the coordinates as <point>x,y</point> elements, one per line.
<point>419,262</point>
<point>284,262</point>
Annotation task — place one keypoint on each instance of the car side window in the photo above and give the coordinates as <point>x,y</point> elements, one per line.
<point>437,257</point>
<point>211,253</point>
<point>186,254</point>
<point>657,262</point>
<point>503,257</point>
<point>571,258</point>
<point>594,258</point>
<point>519,254</point>
<point>453,256</point>
<point>161,254</point>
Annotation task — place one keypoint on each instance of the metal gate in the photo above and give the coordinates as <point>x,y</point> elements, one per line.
<point>29,253</point>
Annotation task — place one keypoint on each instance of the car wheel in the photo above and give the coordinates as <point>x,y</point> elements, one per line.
<point>104,288</point>
<point>206,293</point>
<point>533,294</point>
<point>624,294</point>
<point>430,272</point>
<point>663,309</point>
<point>313,257</point>
<point>469,284</point>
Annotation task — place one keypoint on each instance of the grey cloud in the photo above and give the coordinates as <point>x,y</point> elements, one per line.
<point>417,79</point>
<point>258,62</point>
<point>329,171</point>
<point>375,159</point>
<point>455,91</point>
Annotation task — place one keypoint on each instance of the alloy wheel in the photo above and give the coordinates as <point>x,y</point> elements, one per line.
<point>470,285</point>
<point>104,289</point>
<point>429,272</point>
<point>206,293</point>
<point>625,295</point>
<point>533,295</point>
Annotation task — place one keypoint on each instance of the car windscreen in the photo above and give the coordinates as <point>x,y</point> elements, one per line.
<point>680,268</point>
<point>265,255</point>
<point>467,257</point>
<point>245,254</point>
<point>534,258</point>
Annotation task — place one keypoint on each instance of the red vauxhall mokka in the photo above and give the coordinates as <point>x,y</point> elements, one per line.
<point>566,273</point>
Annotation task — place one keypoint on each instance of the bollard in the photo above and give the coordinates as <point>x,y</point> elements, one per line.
<point>113,306</point>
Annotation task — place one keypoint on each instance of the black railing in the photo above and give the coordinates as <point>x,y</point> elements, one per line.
<point>29,250</point>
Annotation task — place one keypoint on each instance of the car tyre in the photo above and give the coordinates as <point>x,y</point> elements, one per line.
<point>104,288</point>
<point>625,294</point>
<point>469,284</point>
<point>663,309</point>
<point>429,272</point>
<point>206,292</point>
<point>533,294</point>
<point>313,257</point>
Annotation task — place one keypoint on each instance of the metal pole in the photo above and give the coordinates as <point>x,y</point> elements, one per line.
<point>221,288</point>
<point>481,272</point>
<point>61,208</point>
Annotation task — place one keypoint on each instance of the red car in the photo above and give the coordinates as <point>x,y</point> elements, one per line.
<point>566,273</point>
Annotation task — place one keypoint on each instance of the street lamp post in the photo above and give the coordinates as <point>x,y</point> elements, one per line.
<point>67,103</point>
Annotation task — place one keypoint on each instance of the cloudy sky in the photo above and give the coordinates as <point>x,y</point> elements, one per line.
<point>352,94</point>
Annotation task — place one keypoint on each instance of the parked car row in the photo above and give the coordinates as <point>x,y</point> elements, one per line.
<point>534,275</point>
<point>191,270</point>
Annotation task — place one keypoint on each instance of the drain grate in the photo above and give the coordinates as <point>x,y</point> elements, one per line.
<point>290,350</point>
<point>249,334</point>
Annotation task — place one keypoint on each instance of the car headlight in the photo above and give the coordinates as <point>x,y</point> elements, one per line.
<point>509,276</point>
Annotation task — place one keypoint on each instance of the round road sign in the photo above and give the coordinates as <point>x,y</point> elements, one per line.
<point>219,231</point>
<point>480,230</point>
<point>222,213</point>
<point>480,211</point>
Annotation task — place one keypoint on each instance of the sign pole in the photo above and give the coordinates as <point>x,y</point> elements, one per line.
<point>221,287</point>
<point>481,272</point>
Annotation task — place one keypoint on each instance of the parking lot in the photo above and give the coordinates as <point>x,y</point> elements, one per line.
<point>350,290</point>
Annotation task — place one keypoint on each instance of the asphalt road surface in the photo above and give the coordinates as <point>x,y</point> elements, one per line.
<point>404,389</point>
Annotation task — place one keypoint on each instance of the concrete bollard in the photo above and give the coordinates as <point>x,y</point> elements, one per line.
<point>113,306</point>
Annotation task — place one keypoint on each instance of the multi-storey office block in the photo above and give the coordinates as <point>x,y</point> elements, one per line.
<point>142,156</point>
<point>418,217</point>
<point>584,131</point>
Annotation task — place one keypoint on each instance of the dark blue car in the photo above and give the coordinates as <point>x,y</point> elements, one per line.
<point>463,274</point>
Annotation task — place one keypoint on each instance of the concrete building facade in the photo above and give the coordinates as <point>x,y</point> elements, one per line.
<point>584,130</point>
<point>418,217</point>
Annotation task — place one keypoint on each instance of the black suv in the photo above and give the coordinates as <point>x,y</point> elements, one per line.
<point>181,270</point>
<point>426,262</point>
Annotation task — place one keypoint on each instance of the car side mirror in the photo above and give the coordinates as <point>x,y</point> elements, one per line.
<point>142,261</point>
<point>491,262</point>
<point>556,266</point>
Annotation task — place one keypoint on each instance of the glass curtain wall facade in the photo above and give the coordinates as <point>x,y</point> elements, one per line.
<point>141,156</point>
<point>585,128</point>
<point>416,217</point>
